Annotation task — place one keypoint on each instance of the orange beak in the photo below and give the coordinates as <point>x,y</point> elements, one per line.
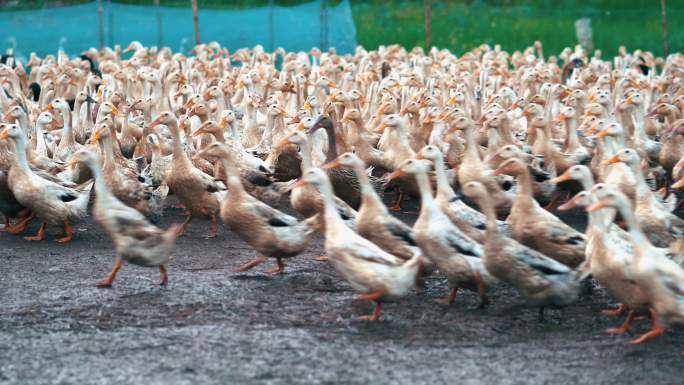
<point>155,122</point>
<point>568,205</point>
<point>115,111</point>
<point>613,160</point>
<point>382,127</point>
<point>4,134</point>
<point>678,184</point>
<point>596,206</point>
<point>96,136</point>
<point>561,178</point>
<point>419,156</point>
<point>307,105</point>
<point>72,162</point>
<point>332,164</point>
<point>396,174</point>
<point>602,134</point>
<point>300,183</point>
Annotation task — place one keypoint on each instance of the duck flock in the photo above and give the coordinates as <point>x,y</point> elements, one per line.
<point>491,143</point>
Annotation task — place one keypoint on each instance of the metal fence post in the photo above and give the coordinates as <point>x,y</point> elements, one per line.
<point>195,18</point>
<point>324,25</point>
<point>160,31</point>
<point>663,15</point>
<point>428,24</point>
<point>100,19</point>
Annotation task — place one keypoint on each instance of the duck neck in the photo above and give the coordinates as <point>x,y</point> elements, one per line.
<point>368,194</point>
<point>20,152</point>
<point>471,144</point>
<point>426,199</point>
<point>305,153</point>
<point>524,183</point>
<point>102,192</point>
<point>179,154</point>
<point>490,216</point>
<point>443,188</point>
<point>233,181</point>
<point>571,140</point>
<point>332,142</point>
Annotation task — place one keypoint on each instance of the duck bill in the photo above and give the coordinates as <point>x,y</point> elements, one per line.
<point>96,136</point>
<point>332,164</point>
<point>155,122</point>
<point>596,206</point>
<point>602,134</point>
<point>4,134</point>
<point>419,156</point>
<point>678,184</point>
<point>561,178</point>
<point>199,131</point>
<point>613,160</point>
<point>395,175</point>
<point>300,183</point>
<point>571,204</point>
<point>72,162</point>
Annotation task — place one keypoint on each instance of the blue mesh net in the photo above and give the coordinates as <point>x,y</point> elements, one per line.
<point>76,28</point>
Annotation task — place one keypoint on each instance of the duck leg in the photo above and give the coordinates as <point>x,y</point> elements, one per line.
<point>68,233</point>
<point>184,226</point>
<point>397,203</point>
<point>279,269</point>
<point>449,299</point>
<point>250,265</point>
<point>214,228</point>
<point>39,236</point>
<point>163,275</point>
<point>109,279</point>
<point>481,290</point>
<point>615,312</point>
<point>373,317</point>
<point>655,331</point>
<point>625,326</point>
<point>322,258</point>
<point>20,226</point>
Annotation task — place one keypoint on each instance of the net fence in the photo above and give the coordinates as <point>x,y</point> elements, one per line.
<point>76,28</point>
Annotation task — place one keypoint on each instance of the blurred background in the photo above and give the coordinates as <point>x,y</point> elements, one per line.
<point>44,26</point>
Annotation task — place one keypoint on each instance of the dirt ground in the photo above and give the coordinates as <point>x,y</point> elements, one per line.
<point>214,326</point>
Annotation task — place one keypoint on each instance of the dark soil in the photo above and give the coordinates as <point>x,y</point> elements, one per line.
<point>214,326</point>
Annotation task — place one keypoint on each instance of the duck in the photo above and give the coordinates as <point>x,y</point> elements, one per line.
<point>135,239</point>
<point>541,280</point>
<point>610,262</point>
<point>378,275</point>
<point>373,220</point>
<point>661,225</point>
<point>272,233</point>
<point>660,278</point>
<point>345,183</point>
<point>53,204</point>
<point>9,205</point>
<point>451,251</point>
<point>537,228</point>
<point>467,219</point>
<point>200,193</point>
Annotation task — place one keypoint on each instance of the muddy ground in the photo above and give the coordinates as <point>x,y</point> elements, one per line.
<point>214,326</point>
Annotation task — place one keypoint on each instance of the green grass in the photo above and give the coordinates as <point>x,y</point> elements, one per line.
<point>516,24</point>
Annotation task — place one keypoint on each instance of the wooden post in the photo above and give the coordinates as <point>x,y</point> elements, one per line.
<point>195,18</point>
<point>100,20</point>
<point>663,15</point>
<point>428,24</point>
<point>160,32</point>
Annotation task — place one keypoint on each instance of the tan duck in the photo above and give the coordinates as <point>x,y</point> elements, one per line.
<point>660,225</point>
<point>125,184</point>
<point>135,239</point>
<point>377,274</point>
<point>543,281</point>
<point>454,254</point>
<point>467,219</point>
<point>53,204</point>
<point>345,183</point>
<point>537,228</point>
<point>660,278</point>
<point>272,233</point>
<point>472,168</point>
<point>305,198</point>
<point>9,205</point>
<point>373,221</point>
<point>197,191</point>
<point>610,262</point>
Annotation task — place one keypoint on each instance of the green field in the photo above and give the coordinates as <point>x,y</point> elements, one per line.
<point>463,24</point>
